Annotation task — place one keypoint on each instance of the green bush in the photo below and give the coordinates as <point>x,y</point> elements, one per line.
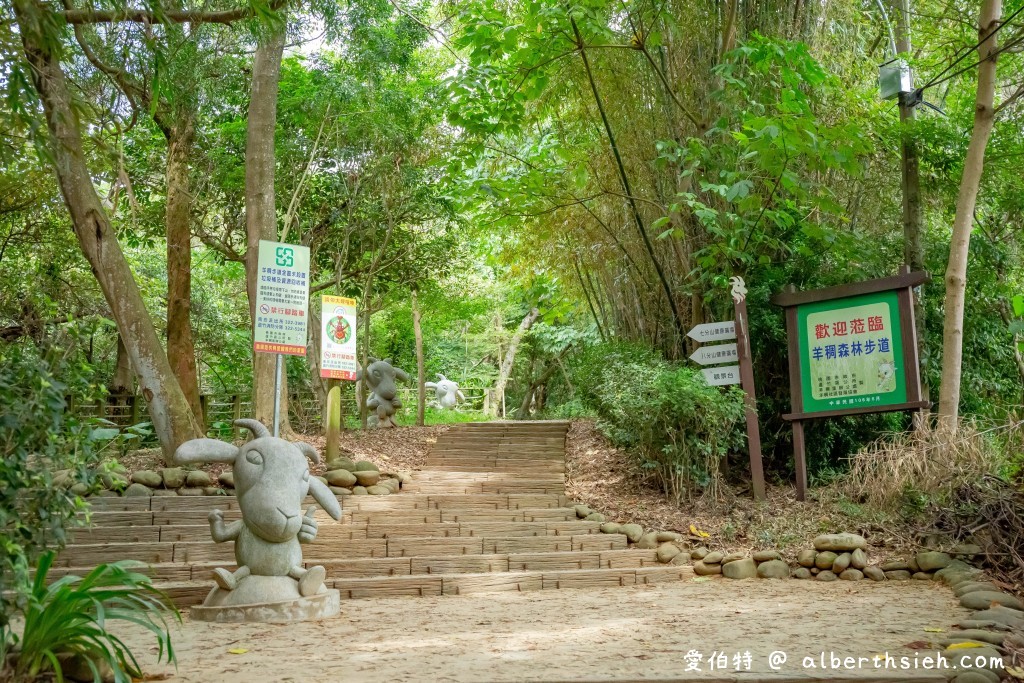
<point>69,618</point>
<point>679,428</point>
<point>37,439</point>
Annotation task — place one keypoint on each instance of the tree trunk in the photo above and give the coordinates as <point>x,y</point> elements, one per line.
<point>421,376</point>
<point>178,220</point>
<point>172,419</point>
<point>910,181</point>
<point>260,210</point>
<point>123,380</point>
<point>510,357</point>
<point>963,222</point>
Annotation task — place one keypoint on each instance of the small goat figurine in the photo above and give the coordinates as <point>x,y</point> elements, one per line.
<point>447,392</point>
<point>379,376</point>
<point>271,480</point>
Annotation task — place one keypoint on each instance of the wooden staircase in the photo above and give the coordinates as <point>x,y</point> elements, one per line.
<point>487,512</point>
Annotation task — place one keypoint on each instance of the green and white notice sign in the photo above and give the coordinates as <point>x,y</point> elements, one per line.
<point>282,298</point>
<point>851,353</point>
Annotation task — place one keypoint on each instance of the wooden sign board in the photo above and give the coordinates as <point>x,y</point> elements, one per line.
<point>720,377</point>
<point>852,351</point>
<point>709,332</point>
<point>712,355</point>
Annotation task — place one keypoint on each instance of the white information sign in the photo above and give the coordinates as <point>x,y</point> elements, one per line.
<point>719,377</point>
<point>717,353</point>
<point>282,298</point>
<point>709,332</point>
<point>338,337</point>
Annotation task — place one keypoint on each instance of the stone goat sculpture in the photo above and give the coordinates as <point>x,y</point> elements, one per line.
<point>379,377</point>
<point>446,391</point>
<point>271,480</point>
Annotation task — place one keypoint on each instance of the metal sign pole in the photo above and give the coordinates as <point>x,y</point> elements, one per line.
<point>739,295</point>
<point>277,394</point>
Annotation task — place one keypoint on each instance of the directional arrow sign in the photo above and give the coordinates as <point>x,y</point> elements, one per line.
<point>717,377</point>
<point>719,353</point>
<point>709,332</point>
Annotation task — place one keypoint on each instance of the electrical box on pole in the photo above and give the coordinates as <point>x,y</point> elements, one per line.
<point>894,79</point>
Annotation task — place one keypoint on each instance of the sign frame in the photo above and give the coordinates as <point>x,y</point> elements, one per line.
<point>276,262</point>
<point>901,285</point>
<point>351,311</point>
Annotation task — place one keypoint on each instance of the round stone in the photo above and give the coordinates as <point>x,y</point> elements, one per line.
<point>801,573</point>
<point>364,466</point>
<point>984,599</point>
<point>874,573</point>
<point>137,490</point>
<point>894,565</point>
<point>342,478</point>
<point>858,559</point>
<point>198,478</point>
<point>732,557</point>
<point>898,575</point>
<point>611,528</point>
<point>744,568</point>
<point>378,490</point>
<point>582,511</point>
<point>213,491</point>
<point>367,477</point>
<point>826,575</point>
<point>773,569</point>
<point>929,561</point>
<point>840,543</point>
<point>359,491</point>
<point>699,553</point>
<point>341,464</point>
<point>148,478</point>
<point>921,576</point>
<point>701,569</point>
<point>806,557</point>
<point>632,531</point>
<point>340,491</point>
<point>841,563</point>
<point>669,536</point>
<point>190,491</point>
<point>79,489</point>
<point>766,555</point>
<point>648,541</point>
<point>667,552</point>
<point>713,558</point>
<point>227,479</point>
<point>825,560</point>
<point>173,477</point>
<point>851,574</point>
<point>594,517</point>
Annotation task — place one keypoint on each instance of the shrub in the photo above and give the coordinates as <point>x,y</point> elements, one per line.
<point>679,428</point>
<point>37,439</point>
<point>70,616</point>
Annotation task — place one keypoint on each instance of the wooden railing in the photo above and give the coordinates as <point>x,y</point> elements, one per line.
<point>221,409</point>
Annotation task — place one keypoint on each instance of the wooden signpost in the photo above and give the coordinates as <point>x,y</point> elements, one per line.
<point>852,351</point>
<point>742,373</point>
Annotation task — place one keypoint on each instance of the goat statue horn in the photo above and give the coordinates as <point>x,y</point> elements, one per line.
<point>258,429</point>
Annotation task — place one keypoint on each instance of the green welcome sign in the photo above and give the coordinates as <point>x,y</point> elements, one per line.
<point>852,350</point>
<point>851,353</point>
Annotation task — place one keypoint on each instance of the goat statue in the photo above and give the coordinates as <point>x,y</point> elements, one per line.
<point>271,480</point>
<point>446,392</point>
<point>379,377</point>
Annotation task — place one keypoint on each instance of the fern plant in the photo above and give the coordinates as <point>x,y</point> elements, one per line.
<point>71,616</point>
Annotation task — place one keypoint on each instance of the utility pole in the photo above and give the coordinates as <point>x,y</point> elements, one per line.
<point>910,183</point>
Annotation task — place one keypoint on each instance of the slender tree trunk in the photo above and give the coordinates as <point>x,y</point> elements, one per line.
<point>123,380</point>
<point>172,419</point>
<point>510,357</point>
<point>178,220</point>
<point>421,373</point>
<point>260,209</point>
<point>913,232</point>
<point>963,222</point>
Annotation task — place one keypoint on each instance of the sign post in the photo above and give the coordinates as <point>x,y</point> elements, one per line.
<point>282,301</point>
<point>337,359</point>
<point>852,351</point>
<point>742,373</point>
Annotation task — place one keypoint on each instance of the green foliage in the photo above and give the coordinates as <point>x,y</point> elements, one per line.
<point>37,438</point>
<point>71,615</point>
<point>679,428</point>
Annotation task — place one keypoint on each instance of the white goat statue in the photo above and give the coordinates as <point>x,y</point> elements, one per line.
<point>271,480</point>
<point>447,392</point>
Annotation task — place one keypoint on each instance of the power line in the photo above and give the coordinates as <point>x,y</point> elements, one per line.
<point>1004,48</point>
<point>936,81</point>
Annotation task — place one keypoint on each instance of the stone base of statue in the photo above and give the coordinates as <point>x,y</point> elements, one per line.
<point>267,599</point>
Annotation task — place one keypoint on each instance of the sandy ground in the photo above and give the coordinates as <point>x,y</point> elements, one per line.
<point>613,634</point>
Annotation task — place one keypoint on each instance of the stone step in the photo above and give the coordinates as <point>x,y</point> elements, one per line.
<point>90,555</point>
<point>403,501</point>
<point>470,487</point>
<point>187,593</point>
<point>329,530</point>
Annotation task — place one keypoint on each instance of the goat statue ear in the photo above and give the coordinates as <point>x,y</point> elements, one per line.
<point>323,495</point>
<point>205,450</point>
<point>402,374</point>
<point>308,451</point>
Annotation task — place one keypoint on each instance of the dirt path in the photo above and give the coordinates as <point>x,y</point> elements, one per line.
<point>616,634</point>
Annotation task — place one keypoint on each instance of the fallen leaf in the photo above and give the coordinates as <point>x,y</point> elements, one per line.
<point>932,629</point>
<point>238,651</point>
<point>964,646</point>
<point>1015,672</point>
